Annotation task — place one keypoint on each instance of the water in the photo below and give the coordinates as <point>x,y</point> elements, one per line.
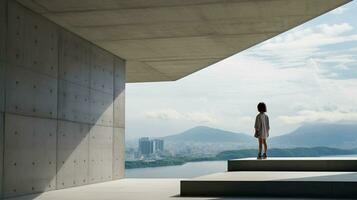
<point>352,155</point>
<point>188,170</point>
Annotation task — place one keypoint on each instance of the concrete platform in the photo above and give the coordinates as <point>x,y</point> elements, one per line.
<point>127,189</point>
<point>294,164</point>
<point>273,184</point>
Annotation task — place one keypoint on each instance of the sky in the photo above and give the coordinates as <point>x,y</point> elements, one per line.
<point>306,75</point>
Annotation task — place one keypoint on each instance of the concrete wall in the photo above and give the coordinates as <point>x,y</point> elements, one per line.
<point>61,107</point>
<point>2,86</point>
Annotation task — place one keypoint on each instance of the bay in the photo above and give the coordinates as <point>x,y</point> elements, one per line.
<point>187,170</point>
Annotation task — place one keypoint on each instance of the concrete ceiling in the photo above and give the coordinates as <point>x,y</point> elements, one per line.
<point>165,40</point>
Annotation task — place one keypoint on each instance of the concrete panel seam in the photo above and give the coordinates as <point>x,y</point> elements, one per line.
<point>91,88</point>
<point>113,165</point>
<point>102,125</point>
<point>59,50</point>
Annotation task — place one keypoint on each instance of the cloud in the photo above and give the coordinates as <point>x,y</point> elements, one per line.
<point>319,116</point>
<point>167,114</point>
<point>339,10</point>
<point>292,49</point>
<point>334,29</point>
<point>201,117</point>
<point>340,59</point>
<point>309,38</point>
<point>171,114</point>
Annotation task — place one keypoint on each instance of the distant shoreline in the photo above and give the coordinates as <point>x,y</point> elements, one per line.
<point>244,153</point>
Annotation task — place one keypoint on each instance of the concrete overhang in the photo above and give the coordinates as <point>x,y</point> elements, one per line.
<point>165,40</point>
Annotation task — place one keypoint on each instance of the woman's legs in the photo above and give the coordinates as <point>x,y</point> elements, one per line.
<point>264,141</point>
<point>260,140</point>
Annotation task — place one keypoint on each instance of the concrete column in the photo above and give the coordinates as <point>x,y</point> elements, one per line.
<point>119,119</point>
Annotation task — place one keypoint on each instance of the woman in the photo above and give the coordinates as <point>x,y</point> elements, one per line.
<point>262,129</point>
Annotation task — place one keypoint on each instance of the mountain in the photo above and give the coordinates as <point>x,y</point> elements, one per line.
<point>204,134</point>
<point>206,141</point>
<point>322,134</point>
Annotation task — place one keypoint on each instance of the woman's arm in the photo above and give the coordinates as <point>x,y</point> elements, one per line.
<point>257,123</point>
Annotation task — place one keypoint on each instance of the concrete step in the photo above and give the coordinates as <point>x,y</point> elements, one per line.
<point>273,184</point>
<point>294,164</point>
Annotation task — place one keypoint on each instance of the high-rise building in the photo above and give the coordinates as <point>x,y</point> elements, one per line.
<point>146,146</point>
<point>158,145</point>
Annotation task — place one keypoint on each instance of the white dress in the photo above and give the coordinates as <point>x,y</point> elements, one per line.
<point>262,125</point>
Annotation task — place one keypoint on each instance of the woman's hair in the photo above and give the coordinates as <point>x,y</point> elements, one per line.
<point>262,107</point>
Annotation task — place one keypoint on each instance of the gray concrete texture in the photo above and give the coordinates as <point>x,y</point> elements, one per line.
<point>2,29</point>
<point>167,40</point>
<point>61,106</point>
<point>273,184</point>
<point>1,149</point>
<point>72,154</point>
<point>2,52</point>
<point>2,86</point>
<point>119,93</point>
<point>30,154</point>
<point>134,189</point>
<point>119,157</point>
<point>296,164</point>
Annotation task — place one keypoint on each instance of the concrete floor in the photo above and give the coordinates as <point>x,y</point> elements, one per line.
<point>125,189</point>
